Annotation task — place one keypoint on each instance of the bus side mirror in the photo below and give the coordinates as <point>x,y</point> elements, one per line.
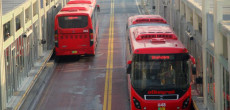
<point>129,67</point>
<point>98,8</point>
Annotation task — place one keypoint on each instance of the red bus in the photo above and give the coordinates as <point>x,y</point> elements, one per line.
<point>80,2</point>
<point>76,29</point>
<point>158,68</point>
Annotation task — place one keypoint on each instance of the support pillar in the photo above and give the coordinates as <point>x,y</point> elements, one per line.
<point>45,25</point>
<point>157,3</point>
<point>205,9</point>
<point>188,14</point>
<point>195,21</point>
<point>40,50</point>
<point>182,9</point>
<point>218,50</point>
<point>2,65</point>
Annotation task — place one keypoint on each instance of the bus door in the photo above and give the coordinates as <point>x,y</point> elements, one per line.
<point>73,32</point>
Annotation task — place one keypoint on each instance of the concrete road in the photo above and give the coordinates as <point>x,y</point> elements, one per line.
<point>99,82</point>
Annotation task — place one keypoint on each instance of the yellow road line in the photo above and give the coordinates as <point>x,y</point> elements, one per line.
<point>109,66</point>
<point>107,71</point>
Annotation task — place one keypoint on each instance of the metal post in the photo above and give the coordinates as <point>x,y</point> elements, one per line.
<point>195,21</point>
<point>188,13</point>
<point>2,65</point>
<point>45,25</point>
<point>205,9</point>
<point>182,9</point>
<point>157,7</point>
<point>218,49</point>
<point>170,12</point>
<point>228,37</point>
<point>40,50</point>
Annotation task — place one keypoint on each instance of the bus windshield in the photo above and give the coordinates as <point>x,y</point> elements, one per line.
<point>73,21</point>
<point>160,72</point>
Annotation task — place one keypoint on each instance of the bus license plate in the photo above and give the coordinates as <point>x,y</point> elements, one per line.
<point>74,51</point>
<point>161,108</point>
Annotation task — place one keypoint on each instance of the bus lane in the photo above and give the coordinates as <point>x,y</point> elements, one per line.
<point>99,82</point>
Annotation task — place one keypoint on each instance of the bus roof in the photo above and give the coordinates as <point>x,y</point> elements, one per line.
<point>81,1</point>
<point>72,9</point>
<point>137,19</point>
<point>155,40</point>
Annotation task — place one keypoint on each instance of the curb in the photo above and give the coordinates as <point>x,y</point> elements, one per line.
<point>194,105</point>
<point>24,96</point>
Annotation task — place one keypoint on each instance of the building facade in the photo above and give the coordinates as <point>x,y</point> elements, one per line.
<point>27,33</point>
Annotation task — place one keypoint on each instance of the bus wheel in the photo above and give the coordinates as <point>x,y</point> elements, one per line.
<point>94,53</point>
<point>77,57</point>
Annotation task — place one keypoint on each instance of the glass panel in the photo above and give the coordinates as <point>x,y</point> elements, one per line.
<point>41,3</point>
<point>160,71</point>
<point>226,97</point>
<point>9,80</point>
<point>6,30</point>
<point>27,14</point>
<point>210,79</point>
<point>18,23</point>
<point>73,21</point>
<point>35,8</point>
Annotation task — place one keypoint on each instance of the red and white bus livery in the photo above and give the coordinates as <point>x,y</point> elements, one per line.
<point>80,2</point>
<point>76,29</point>
<point>146,19</point>
<point>158,68</point>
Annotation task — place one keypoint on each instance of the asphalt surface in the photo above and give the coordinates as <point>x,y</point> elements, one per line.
<point>87,83</point>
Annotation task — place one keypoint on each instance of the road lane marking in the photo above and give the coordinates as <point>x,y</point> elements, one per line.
<point>111,64</point>
<point>108,79</point>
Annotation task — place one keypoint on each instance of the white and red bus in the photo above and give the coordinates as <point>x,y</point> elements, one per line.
<point>76,29</point>
<point>80,2</point>
<point>158,68</point>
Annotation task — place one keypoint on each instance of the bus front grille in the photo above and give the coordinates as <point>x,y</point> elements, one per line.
<point>162,97</point>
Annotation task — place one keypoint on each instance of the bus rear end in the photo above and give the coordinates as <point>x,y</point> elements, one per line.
<point>73,34</point>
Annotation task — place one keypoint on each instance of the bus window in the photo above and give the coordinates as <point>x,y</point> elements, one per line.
<point>73,21</point>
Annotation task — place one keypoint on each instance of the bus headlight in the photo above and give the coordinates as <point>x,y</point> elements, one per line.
<point>136,103</point>
<point>185,103</point>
